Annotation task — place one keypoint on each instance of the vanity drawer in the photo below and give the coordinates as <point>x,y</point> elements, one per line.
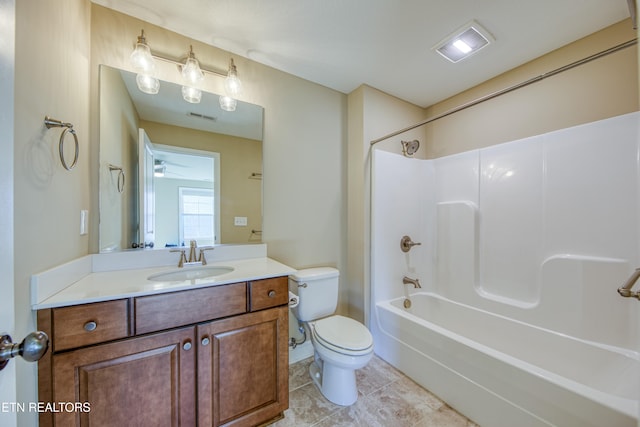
<point>86,324</point>
<point>267,293</point>
<point>164,311</point>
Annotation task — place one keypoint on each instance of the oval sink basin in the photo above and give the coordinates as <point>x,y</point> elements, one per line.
<point>189,273</point>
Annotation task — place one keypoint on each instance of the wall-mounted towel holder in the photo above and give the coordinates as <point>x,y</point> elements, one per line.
<point>120,182</point>
<point>68,128</point>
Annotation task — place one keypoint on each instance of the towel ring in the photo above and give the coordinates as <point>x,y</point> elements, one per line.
<point>68,127</point>
<point>120,182</point>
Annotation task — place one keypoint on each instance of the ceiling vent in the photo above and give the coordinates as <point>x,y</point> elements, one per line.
<point>464,42</point>
<point>202,116</point>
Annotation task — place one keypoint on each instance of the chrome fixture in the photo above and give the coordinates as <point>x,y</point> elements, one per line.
<point>143,61</point>
<point>625,289</point>
<point>183,257</point>
<point>193,246</point>
<point>192,251</point>
<point>409,148</point>
<point>201,259</point>
<point>415,282</point>
<point>293,342</point>
<point>232,84</point>
<point>233,88</point>
<point>406,244</point>
<point>68,127</point>
<point>120,179</point>
<point>192,75</point>
<point>32,348</point>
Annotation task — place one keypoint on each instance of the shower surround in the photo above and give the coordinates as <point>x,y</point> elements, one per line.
<point>523,246</point>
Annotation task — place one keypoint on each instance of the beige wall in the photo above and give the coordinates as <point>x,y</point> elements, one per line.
<point>51,78</point>
<point>119,148</point>
<point>372,114</point>
<point>603,88</point>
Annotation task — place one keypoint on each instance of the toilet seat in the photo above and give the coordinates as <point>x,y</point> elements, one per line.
<point>343,335</point>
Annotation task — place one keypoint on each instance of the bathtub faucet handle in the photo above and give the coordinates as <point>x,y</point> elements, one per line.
<point>625,289</point>
<point>406,243</point>
<point>415,282</point>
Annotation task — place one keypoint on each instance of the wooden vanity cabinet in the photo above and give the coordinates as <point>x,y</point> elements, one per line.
<point>152,361</point>
<point>146,381</point>
<point>242,368</point>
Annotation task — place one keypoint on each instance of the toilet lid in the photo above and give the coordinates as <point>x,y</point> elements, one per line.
<point>344,333</point>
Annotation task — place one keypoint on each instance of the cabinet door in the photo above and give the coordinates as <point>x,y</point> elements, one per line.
<point>243,369</point>
<point>146,381</point>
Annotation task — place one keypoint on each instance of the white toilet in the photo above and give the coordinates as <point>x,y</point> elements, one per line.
<point>341,344</point>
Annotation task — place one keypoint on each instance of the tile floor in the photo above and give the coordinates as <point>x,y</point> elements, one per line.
<point>386,398</point>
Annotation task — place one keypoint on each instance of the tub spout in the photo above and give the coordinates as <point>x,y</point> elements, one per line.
<point>625,289</point>
<point>415,282</point>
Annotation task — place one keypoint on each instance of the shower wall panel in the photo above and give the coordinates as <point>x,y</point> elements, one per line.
<point>402,205</point>
<point>511,178</point>
<point>556,228</point>
<point>591,189</point>
<point>542,230</point>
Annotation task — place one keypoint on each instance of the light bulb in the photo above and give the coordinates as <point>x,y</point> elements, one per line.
<point>141,58</point>
<point>227,103</point>
<point>191,71</point>
<point>191,94</point>
<point>147,83</point>
<point>232,84</point>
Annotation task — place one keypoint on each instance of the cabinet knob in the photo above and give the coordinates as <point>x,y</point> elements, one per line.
<point>90,326</point>
<point>205,341</point>
<point>187,346</point>
<point>272,293</point>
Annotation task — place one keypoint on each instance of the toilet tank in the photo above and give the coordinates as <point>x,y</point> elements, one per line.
<point>317,289</point>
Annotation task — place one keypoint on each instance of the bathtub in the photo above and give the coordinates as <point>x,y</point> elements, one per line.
<point>502,372</point>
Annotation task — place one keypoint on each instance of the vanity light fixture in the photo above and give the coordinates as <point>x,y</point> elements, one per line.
<point>192,75</point>
<point>232,84</point>
<point>227,103</point>
<point>464,42</point>
<point>142,59</point>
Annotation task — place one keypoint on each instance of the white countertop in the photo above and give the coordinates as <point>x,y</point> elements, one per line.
<point>76,283</point>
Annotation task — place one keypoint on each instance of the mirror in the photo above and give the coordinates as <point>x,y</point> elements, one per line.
<point>197,176</point>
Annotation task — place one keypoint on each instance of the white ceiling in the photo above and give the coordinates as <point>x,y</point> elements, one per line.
<point>244,122</point>
<point>386,44</point>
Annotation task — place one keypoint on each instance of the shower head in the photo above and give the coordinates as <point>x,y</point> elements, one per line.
<point>410,147</point>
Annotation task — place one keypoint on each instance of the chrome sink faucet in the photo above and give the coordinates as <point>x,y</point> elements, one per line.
<point>200,259</point>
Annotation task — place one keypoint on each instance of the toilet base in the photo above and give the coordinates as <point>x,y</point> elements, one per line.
<point>337,384</point>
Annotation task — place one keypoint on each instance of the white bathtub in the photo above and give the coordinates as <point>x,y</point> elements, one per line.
<point>502,372</point>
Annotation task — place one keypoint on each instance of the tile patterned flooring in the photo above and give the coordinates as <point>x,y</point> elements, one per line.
<point>386,398</point>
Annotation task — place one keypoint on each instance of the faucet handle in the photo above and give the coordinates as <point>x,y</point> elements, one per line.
<point>183,257</point>
<point>406,243</point>
<point>201,258</point>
